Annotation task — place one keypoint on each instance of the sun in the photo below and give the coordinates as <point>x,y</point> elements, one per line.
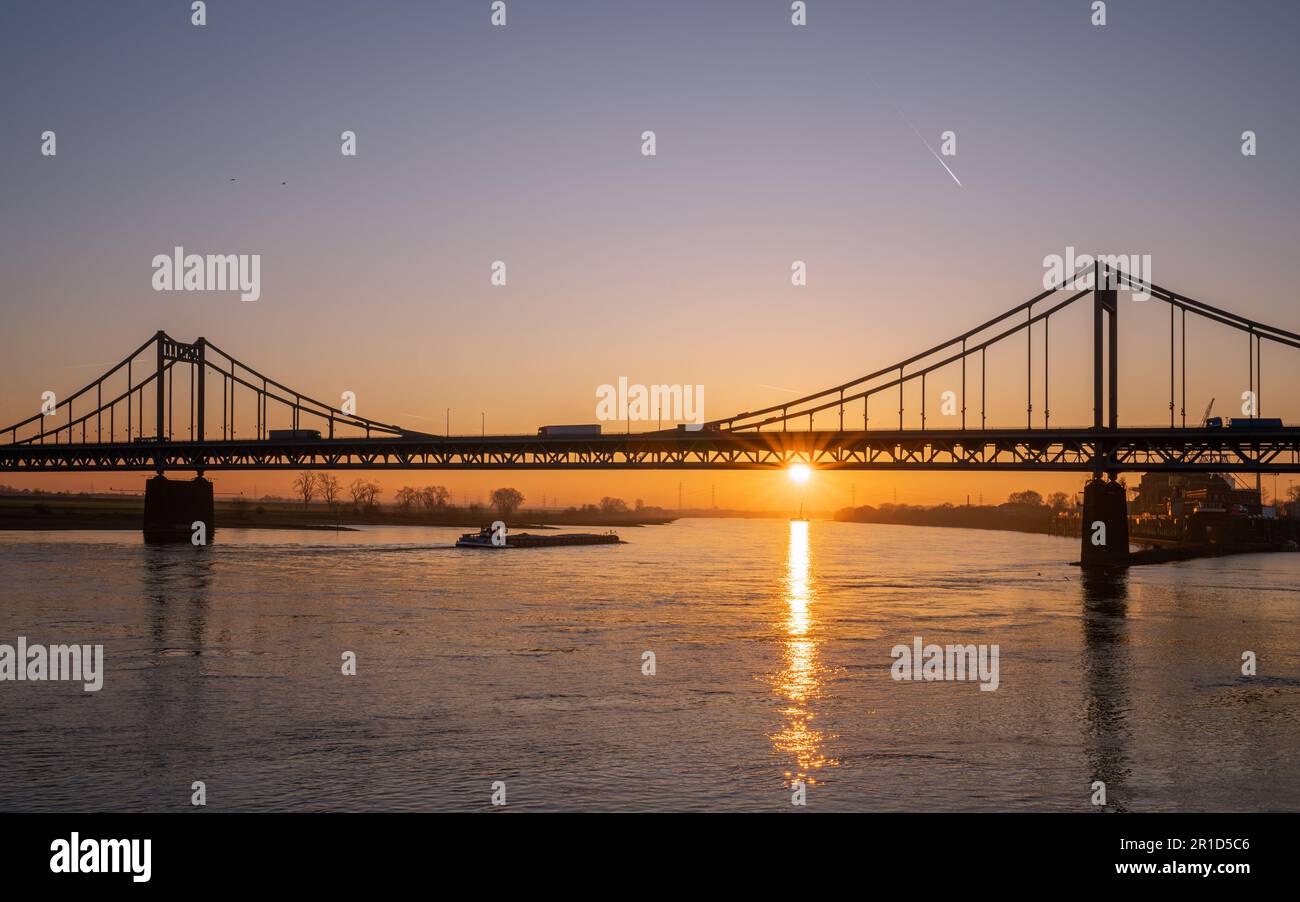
<point>800,472</point>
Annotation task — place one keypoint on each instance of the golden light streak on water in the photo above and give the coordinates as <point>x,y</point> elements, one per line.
<point>799,682</point>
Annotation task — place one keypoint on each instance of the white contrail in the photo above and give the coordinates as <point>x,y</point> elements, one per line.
<point>779,388</point>
<point>940,159</point>
<point>903,116</point>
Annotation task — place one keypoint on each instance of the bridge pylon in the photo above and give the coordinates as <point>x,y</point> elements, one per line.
<point>172,507</point>
<point>1104,533</point>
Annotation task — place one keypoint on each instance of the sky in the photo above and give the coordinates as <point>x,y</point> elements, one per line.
<point>774,143</point>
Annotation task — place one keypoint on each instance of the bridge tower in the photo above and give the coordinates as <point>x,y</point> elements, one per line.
<point>1105,344</point>
<point>1104,532</point>
<point>173,508</point>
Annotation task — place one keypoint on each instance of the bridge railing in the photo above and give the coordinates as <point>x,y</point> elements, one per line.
<point>110,412</point>
<point>1100,280</point>
<point>107,408</point>
<point>1257,334</point>
<point>303,410</point>
<point>967,346</point>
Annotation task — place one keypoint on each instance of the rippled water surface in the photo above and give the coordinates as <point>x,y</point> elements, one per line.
<point>772,649</point>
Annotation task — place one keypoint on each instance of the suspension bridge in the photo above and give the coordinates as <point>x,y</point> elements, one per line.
<point>128,418</point>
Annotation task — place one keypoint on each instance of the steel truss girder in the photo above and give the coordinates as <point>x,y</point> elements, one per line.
<point>1065,450</point>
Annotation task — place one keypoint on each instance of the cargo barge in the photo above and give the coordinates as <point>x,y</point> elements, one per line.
<point>483,539</point>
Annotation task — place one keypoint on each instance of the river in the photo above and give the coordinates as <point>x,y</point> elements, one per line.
<point>771,646</point>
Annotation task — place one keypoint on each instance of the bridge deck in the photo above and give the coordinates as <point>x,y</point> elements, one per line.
<point>1263,450</point>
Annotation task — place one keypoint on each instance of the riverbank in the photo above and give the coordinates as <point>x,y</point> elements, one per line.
<point>1002,517</point>
<point>1040,519</point>
<point>64,512</point>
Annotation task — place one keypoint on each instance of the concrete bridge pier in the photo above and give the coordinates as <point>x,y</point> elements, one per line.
<point>172,507</point>
<point>1105,524</point>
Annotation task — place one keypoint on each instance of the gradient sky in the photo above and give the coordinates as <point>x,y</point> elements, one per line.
<point>522,143</point>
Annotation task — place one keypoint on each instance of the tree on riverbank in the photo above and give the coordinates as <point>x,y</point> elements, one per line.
<point>507,501</point>
<point>329,489</point>
<point>364,494</point>
<point>434,497</point>
<point>1027,498</point>
<point>305,486</point>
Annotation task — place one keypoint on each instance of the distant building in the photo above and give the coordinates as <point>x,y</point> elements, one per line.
<point>1184,494</point>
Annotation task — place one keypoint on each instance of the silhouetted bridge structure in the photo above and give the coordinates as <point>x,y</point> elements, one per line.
<point>127,419</point>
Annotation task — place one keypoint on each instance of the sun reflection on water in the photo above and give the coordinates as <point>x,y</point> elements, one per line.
<point>799,682</point>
